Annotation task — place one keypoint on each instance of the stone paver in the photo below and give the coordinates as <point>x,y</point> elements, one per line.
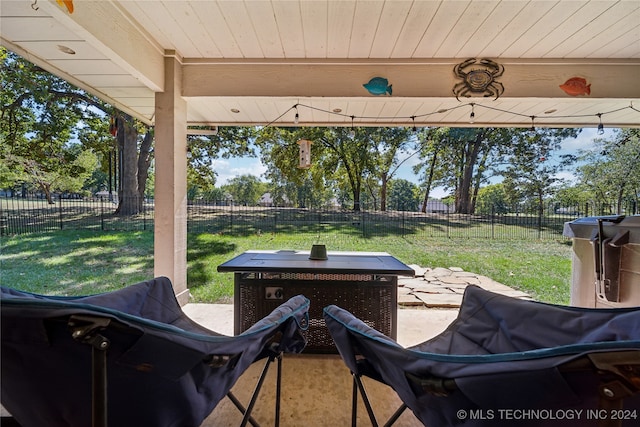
<point>443,287</point>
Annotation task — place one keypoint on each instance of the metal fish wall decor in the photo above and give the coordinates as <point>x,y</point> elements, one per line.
<point>576,86</point>
<point>378,86</point>
<point>67,3</point>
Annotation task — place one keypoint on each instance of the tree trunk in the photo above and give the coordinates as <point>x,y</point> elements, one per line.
<point>372,193</point>
<point>47,192</point>
<point>432,168</point>
<point>127,140</point>
<point>144,161</point>
<point>356,198</point>
<point>383,191</point>
<point>463,204</point>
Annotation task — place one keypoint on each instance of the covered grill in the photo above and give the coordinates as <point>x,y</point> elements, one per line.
<point>606,261</point>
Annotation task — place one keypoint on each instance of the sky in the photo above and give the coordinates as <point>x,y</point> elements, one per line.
<point>228,169</point>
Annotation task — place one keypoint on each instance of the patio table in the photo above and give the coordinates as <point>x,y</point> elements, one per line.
<point>365,283</point>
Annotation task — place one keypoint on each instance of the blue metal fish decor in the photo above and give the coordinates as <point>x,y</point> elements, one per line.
<point>378,86</point>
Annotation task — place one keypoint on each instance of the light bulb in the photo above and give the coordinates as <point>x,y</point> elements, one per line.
<point>472,116</point>
<point>600,125</point>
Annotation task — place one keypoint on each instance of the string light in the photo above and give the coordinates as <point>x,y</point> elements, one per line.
<point>600,125</point>
<point>472,115</point>
<point>352,132</point>
<point>414,124</point>
<point>533,125</point>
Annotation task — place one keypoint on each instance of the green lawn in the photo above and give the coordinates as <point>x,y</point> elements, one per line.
<point>86,262</point>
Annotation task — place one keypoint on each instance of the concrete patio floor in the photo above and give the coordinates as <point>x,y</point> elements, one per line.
<point>316,388</point>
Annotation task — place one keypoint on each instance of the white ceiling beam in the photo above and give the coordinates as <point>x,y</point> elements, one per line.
<point>105,26</point>
<point>521,78</point>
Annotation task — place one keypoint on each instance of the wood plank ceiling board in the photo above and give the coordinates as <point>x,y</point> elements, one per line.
<point>394,108</point>
<point>241,26</point>
<point>576,45</point>
<point>365,25</point>
<point>561,35</point>
<point>136,13</point>
<point>392,18</point>
<point>50,51</point>
<point>314,28</point>
<point>198,42</point>
<point>485,41</point>
<point>465,28</point>
<point>160,23</point>
<point>439,29</point>
<point>373,110</point>
<point>289,21</point>
<point>627,28</point>
<point>138,92</point>
<point>81,67</point>
<point>21,30</point>
<point>339,23</point>
<point>104,81</point>
<point>512,32</point>
<point>252,114</point>
<point>265,26</point>
<point>556,16</point>
<point>219,35</point>
<point>413,31</point>
<point>314,110</point>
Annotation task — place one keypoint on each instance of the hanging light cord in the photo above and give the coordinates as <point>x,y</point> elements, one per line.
<point>473,105</point>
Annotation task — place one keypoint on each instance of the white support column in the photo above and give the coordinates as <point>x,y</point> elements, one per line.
<point>170,238</point>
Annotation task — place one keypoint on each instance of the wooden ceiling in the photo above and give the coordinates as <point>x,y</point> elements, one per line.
<point>250,62</point>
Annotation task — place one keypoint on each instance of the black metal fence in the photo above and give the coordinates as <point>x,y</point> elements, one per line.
<point>18,215</point>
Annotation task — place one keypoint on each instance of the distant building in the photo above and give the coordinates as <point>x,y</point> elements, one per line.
<point>436,206</point>
<point>267,201</point>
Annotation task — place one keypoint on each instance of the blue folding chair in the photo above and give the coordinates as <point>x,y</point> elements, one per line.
<point>504,361</point>
<point>129,358</point>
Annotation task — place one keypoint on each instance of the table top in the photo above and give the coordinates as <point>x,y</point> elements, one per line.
<point>286,261</point>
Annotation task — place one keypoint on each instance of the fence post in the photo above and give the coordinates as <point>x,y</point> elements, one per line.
<point>275,221</point>
<point>448,220</point>
<point>403,225</point>
<point>60,210</point>
<point>493,221</point>
<point>540,216</point>
<point>101,213</point>
<point>144,214</point>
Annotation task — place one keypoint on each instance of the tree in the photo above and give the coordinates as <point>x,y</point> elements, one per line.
<point>245,189</point>
<point>530,172</point>
<point>203,149</point>
<point>430,147</point>
<point>612,169</point>
<point>280,152</point>
<point>493,199</point>
<point>352,160</point>
<point>338,158</point>
<point>404,195</point>
<point>38,115</point>
<point>465,159</point>
<point>43,116</point>
<point>461,155</point>
<point>388,143</point>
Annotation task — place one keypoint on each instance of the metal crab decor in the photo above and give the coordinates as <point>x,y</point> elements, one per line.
<point>478,80</point>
